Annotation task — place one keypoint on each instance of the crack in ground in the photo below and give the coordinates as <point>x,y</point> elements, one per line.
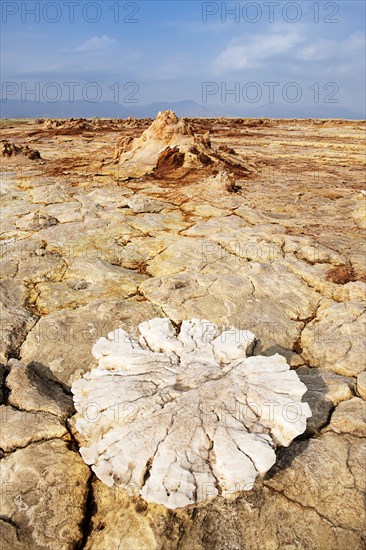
<point>90,510</point>
<point>313,509</point>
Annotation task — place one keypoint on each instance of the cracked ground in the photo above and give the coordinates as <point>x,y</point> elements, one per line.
<point>84,253</point>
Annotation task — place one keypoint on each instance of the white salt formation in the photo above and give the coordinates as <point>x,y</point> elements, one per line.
<point>185,417</point>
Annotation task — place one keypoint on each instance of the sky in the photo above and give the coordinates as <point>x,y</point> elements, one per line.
<point>214,53</point>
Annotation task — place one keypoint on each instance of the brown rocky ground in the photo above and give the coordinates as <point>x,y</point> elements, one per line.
<point>277,248</point>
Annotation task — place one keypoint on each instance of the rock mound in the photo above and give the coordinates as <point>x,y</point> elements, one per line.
<point>123,145</point>
<point>169,144</point>
<point>72,124</point>
<point>51,123</point>
<point>131,122</point>
<point>170,159</point>
<point>15,149</point>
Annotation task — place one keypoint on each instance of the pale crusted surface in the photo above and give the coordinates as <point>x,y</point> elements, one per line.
<point>62,341</point>
<point>290,241</point>
<point>335,339</point>
<point>350,417</point>
<point>361,385</point>
<point>34,392</point>
<point>334,495</point>
<point>15,320</point>
<point>45,494</point>
<point>196,417</point>
<point>20,428</point>
<point>44,482</point>
<point>9,536</point>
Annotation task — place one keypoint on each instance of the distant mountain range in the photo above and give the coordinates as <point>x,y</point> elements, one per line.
<point>13,108</point>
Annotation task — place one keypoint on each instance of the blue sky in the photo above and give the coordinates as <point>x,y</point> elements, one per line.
<point>173,47</point>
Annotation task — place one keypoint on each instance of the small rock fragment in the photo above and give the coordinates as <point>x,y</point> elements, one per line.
<point>349,418</point>
<point>13,149</point>
<point>20,428</point>
<point>361,385</point>
<point>30,392</point>
<point>335,339</point>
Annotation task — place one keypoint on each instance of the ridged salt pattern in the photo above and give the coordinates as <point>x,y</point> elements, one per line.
<point>184,416</point>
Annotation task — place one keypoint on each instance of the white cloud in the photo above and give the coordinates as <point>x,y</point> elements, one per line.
<point>319,50</point>
<point>355,42</point>
<point>96,43</point>
<point>323,49</point>
<point>255,50</point>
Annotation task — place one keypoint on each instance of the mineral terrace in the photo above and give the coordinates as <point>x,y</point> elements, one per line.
<point>250,223</point>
